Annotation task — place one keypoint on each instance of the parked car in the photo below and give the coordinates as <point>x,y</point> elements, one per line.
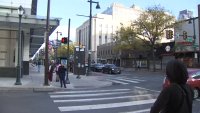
<point>193,81</point>
<point>97,67</point>
<point>111,69</point>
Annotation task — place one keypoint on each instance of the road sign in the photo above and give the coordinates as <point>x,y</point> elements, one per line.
<point>189,39</point>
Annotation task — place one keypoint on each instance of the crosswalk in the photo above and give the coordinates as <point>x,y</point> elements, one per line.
<point>124,80</point>
<point>104,101</point>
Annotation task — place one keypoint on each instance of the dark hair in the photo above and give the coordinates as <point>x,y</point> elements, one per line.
<point>176,72</point>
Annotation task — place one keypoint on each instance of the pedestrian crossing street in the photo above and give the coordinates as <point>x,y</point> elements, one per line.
<point>124,80</point>
<point>104,101</point>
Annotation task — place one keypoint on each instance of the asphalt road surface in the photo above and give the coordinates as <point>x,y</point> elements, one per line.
<point>130,93</point>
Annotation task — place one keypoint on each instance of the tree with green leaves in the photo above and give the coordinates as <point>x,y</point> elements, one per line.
<point>126,39</point>
<point>151,25</point>
<point>149,28</point>
<point>62,50</point>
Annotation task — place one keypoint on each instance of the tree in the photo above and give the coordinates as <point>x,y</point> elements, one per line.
<point>150,26</point>
<point>126,39</point>
<point>62,50</point>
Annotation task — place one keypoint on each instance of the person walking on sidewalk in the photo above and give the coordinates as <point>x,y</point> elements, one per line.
<point>51,71</point>
<point>39,65</point>
<point>57,74</point>
<point>61,72</point>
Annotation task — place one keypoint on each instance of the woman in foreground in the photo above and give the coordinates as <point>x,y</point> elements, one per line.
<point>178,96</point>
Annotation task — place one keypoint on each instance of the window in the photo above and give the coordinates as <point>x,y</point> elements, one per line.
<point>100,40</point>
<point>106,39</point>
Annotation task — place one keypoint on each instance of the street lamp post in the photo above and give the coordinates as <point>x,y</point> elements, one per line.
<point>19,63</point>
<point>56,59</point>
<point>90,33</point>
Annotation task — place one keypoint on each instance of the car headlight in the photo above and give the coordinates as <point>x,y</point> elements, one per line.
<point>113,69</point>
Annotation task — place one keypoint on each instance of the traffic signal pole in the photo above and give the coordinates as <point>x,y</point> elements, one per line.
<point>46,47</point>
<point>67,76</point>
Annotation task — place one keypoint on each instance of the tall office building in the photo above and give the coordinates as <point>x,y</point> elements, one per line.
<point>185,14</point>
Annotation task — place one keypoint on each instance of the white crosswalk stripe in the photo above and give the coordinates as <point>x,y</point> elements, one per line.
<point>138,111</point>
<point>103,106</point>
<point>86,95</point>
<point>90,91</point>
<point>124,80</point>
<point>92,99</point>
<point>87,100</point>
<point>116,81</point>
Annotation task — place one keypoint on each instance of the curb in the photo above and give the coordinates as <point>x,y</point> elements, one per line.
<point>13,89</point>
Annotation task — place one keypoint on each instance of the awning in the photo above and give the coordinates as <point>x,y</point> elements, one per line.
<point>33,27</point>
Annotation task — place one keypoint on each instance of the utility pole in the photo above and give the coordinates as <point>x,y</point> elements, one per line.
<point>46,46</point>
<point>67,77</point>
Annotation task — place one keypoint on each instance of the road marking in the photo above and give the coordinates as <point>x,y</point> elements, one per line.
<point>88,91</point>
<point>138,80</point>
<point>103,106</point>
<point>107,98</point>
<point>135,79</point>
<point>115,81</point>
<point>127,80</point>
<point>87,95</point>
<point>147,89</point>
<point>138,111</point>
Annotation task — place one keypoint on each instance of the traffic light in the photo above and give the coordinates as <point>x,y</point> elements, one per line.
<point>184,35</point>
<point>64,40</point>
<point>169,34</point>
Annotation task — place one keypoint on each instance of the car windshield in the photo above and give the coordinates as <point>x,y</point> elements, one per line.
<point>112,65</point>
<point>99,64</point>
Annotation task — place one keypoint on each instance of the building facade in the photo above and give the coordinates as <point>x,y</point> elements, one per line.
<point>187,41</point>
<point>32,33</point>
<point>104,27</point>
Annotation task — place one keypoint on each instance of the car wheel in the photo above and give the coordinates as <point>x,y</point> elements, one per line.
<point>110,72</point>
<point>196,93</point>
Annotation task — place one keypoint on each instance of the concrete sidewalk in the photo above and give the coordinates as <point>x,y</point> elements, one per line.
<point>35,81</point>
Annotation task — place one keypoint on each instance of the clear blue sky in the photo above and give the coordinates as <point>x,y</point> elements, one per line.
<point>66,9</point>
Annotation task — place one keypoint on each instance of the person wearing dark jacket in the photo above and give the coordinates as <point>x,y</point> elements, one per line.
<point>61,72</point>
<point>178,97</point>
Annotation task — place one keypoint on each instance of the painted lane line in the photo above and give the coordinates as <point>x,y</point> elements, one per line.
<point>139,80</point>
<point>115,81</point>
<point>127,80</point>
<point>139,111</point>
<point>146,89</point>
<point>108,98</point>
<point>88,91</point>
<point>87,95</point>
<point>135,79</point>
<point>104,106</point>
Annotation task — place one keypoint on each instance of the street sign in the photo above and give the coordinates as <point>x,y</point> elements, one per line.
<point>189,39</point>
<point>196,45</point>
<point>177,34</point>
